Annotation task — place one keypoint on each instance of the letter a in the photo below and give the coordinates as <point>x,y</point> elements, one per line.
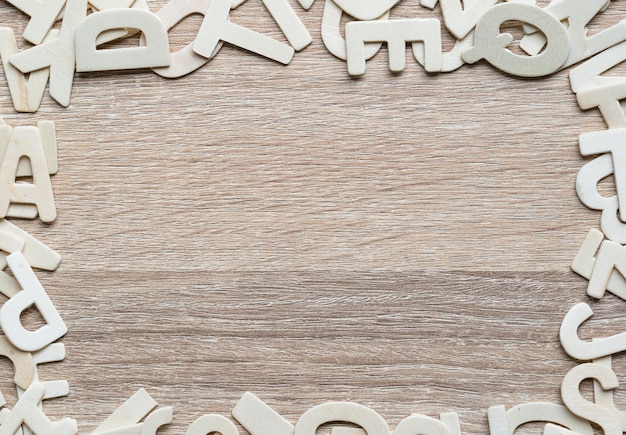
<point>26,142</point>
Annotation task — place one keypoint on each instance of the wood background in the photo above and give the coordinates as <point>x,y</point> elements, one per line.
<point>399,240</point>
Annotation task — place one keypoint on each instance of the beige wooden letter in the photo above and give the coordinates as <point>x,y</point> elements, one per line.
<point>607,419</point>
<point>490,44</point>
<point>578,15</point>
<point>26,411</point>
<point>22,361</point>
<point>57,54</point>
<point>216,27</point>
<point>129,413</point>
<point>155,53</point>
<point>459,21</point>
<point>289,23</point>
<point>156,419</point>
<point>37,254</point>
<point>604,397</point>
<point>594,90</point>
<point>396,33</point>
<point>43,14</point>
<point>366,9</point>
<point>25,142</point>
<point>331,33</point>
<point>184,61</point>
<point>26,94</point>
<point>258,418</point>
<point>584,350</point>
<point>503,422</point>
<point>585,261</point>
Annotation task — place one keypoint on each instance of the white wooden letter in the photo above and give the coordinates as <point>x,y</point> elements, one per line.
<point>418,424</point>
<point>213,423</point>
<point>347,412</point>
<point>587,189</point>
<point>32,294</point>
<point>613,142</point>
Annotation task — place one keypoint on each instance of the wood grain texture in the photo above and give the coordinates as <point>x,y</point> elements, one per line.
<point>400,240</point>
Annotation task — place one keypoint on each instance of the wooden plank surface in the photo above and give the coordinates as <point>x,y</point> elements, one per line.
<point>399,240</point>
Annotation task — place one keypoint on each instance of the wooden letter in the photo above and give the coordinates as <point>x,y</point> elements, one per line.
<point>57,54</point>
<point>22,361</point>
<point>184,61</point>
<point>584,350</point>
<point>216,27</point>
<point>418,424</point>
<point>491,45</point>
<point>26,95</point>
<point>587,189</point>
<point>32,294</point>
<point>156,419</point>
<point>37,254</point>
<point>584,264</point>
<point>129,413</point>
<point>43,14</point>
<point>258,418</point>
<point>27,412</point>
<point>606,418</point>
<point>213,423</point>
<point>613,142</point>
<point>155,53</point>
<point>366,9</point>
<point>578,15</point>
<point>502,422</point>
<point>461,21</point>
<point>289,23</point>
<point>396,33</point>
<point>604,397</point>
<point>26,142</point>
<point>331,33</point>
<point>347,412</point>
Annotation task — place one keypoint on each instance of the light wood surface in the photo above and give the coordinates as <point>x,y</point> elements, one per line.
<point>398,240</point>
